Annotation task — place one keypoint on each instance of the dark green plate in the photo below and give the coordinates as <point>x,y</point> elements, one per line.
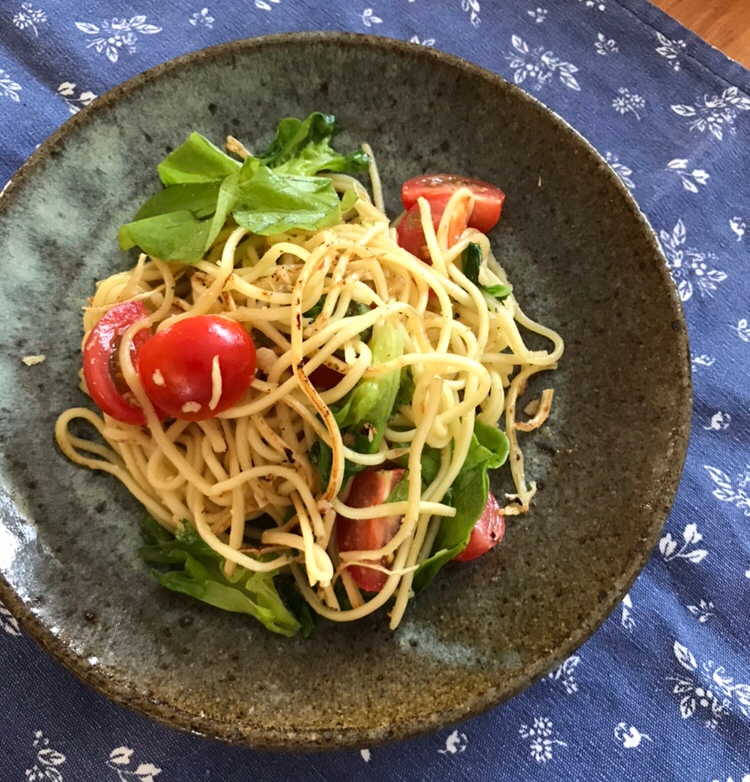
<point>583,260</point>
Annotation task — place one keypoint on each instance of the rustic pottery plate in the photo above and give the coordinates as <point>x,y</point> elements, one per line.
<point>582,258</point>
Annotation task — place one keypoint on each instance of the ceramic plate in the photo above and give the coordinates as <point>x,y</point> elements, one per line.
<point>582,259</point>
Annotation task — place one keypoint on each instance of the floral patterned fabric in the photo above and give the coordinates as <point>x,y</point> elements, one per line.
<point>662,690</point>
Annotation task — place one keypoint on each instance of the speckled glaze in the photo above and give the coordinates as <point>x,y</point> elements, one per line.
<point>582,259</point>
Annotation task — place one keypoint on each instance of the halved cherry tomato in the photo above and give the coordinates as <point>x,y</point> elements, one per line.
<point>178,366</point>
<point>324,377</point>
<point>411,236</point>
<point>438,188</point>
<point>487,532</point>
<point>101,367</point>
<point>369,488</point>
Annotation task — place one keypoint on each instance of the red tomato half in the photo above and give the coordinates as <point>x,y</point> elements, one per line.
<point>369,488</point>
<point>411,236</point>
<point>101,369</point>
<point>438,188</point>
<point>176,366</point>
<point>487,532</point>
<point>324,377</point>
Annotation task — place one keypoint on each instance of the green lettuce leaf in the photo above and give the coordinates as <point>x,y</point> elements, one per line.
<point>468,495</point>
<point>304,147</point>
<point>197,571</point>
<point>472,262</point>
<point>268,203</point>
<point>174,236</point>
<point>204,186</point>
<point>197,160</point>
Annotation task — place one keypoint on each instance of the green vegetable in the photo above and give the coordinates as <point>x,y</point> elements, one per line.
<point>305,148</point>
<point>364,414</point>
<point>370,404</point>
<point>268,203</point>
<point>175,236</point>
<point>204,186</point>
<point>430,461</point>
<point>198,572</point>
<point>197,160</point>
<point>468,495</point>
<point>472,262</point>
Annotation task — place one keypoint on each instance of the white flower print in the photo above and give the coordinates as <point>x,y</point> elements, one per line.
<point>629,736</point>
<point>117,35</point>
<point>264,6</point>
<point>670,49</point>
<point>605,46</point>
<point>627,620</point>
<point>424,42</point>
<point>369,19</point>
<point>627,101</point>
<point>539,66</point>
<point>715,113</point>
<point>690,179</point>
<point>745,778</point>
<point>690,268</point>
<point>709,692</point>
<point>67,91</point>
<point>365,753</point>
<point>703,611</point>
<point>725,489</point>
<point>690,536</point>
<point>202,18</point>
<point>8,622</point>
<point>624,172</point>
<point>456,742</point>
<point>703,361</point>
<point>542,739</point>
<point>538,14</point>
<point>48,761</point>
<point>472,8</point>
<point>8,87</point>
<point>743,330</point>
<point>119,761</point>
<point>565,675</point>
<point>738,226</point>
<point>594,4</point>
<point>719,421</point>
<point>29,17</point>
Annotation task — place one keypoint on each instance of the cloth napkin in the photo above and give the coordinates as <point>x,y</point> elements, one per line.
<point>662,690</point>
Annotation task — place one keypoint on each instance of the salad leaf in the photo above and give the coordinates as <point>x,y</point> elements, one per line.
<point>268,203</point>
<point>468,495</point>
<point>174,236</point>
<point>202,182</point>
<point>198,572</point>
<point>197,160</point>
<point>304,147</point>
<point>308,618</point>
<point>198,198</point>
<point>370,403</point>
<point>364,414</point>
<point>472,262</point>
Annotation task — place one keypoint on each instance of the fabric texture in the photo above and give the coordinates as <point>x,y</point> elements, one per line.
<point>662,690</point>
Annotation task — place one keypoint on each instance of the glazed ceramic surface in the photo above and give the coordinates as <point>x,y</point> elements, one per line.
<point>582,260</point>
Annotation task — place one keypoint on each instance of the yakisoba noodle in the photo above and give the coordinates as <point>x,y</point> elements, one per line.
<point>465,351</point>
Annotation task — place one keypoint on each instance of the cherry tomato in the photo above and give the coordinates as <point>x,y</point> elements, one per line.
<point>411,236</point>
<point>438,188</point>
<point>177,365</point>
<point>101,369</point>
<point>487,532</point>
<point>369,488</point>
<point>324,377</point>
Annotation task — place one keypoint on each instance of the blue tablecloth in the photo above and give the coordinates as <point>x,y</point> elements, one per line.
<point>662,691</point>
